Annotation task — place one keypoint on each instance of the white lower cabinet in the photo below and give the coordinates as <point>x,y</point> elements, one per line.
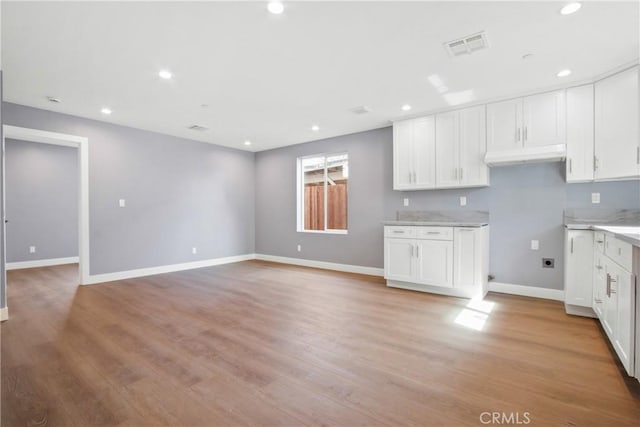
<point>598,274</point>
<point>447,260</point>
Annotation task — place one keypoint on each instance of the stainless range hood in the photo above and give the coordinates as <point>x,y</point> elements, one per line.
<point>545,153</point>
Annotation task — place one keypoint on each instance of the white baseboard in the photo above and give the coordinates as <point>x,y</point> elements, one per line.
<point>576,310</point>
<point>141,272</point>
<point>526,291</point>
<point>348,268</point>
<point>4,314</point>
<point>41,263</point>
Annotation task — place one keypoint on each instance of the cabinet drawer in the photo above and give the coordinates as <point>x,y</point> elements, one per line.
<point>598,241</point>
<point>619,251</point>
<point>400,232</point>
<point>434,233</point>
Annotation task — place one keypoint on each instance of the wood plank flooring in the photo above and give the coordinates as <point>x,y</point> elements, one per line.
<point>257,343</point>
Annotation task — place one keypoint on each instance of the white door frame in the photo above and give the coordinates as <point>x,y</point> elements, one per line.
<point>82,144</point>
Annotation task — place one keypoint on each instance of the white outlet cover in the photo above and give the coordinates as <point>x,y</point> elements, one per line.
<point>406,202</point>
<point>299,248</point>
<point>194,250</point>
<point>122,203</point>
<point>463,200</point>
<point>535,245</point>
<point>595,197</point>
<point>32,249</point>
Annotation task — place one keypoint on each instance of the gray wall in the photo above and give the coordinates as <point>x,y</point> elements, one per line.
<point>525,202</point>
<point>179,193</point>
<point>41,183</point>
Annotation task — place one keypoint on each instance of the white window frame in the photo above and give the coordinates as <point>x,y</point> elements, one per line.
<point>300,195</point>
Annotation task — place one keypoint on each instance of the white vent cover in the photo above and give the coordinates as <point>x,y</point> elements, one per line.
<point>361,109</point>
<point>467,45</point>
<point>198,128</point>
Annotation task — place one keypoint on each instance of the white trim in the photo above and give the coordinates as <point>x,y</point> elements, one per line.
<point>41,263</point>
<point>4,314</point>
<point>576,310</point>
<point>82,143</point>
<point>527,291</point>
<point>141,272</point>
<point>348,268</point>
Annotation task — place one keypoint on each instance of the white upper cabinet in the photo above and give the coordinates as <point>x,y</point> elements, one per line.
<point>504,130</point>
<point>531,121</point>
<point>616,126</point>
<point>460,148</point>
<point>414,154</point>
<point>580,160</point>
<point>543,119</point>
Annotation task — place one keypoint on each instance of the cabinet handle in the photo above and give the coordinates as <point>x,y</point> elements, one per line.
<point>599,241</point>
<point>417,251</point>
<point>433,232</point>
<point>410,177</point>
<point>412,251</point>
<point>611,290</point>
<point>525,134</point>
<point>572,245</point>
<point>596,164</point>
<point>571,166</point>
<point>415,179</point>
<point>598,301</point>
<point>455,174</point>
<point>608,285</point>
<point>638,154</point>
<point>619,251</point>
<point>518,135</point>
<point>398,231</point>
<point>461,173</point>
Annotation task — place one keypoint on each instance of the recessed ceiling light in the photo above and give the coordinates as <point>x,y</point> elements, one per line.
<point>275,7</point>
<point>315,128</point>
<point>165,74</point>
<point>247,143</point>
<point>106,111</point>
<point>563,73</point>
<point>570,8</point>
<point>54,99</point>
<point>406,107</point>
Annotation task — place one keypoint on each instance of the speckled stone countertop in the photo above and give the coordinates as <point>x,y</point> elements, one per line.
<point>624,223</point>
<point>440,218</point>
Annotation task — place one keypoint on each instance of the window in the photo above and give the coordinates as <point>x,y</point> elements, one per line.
<point>322,193</point>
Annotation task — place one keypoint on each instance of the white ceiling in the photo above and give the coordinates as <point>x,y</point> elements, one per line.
<point>269,78</point>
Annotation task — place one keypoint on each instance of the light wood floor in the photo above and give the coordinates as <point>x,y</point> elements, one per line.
<point>257,343</point>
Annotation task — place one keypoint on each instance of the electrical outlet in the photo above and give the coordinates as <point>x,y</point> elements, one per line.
<point>595,197</point>
<point>194,250</point>
<point>122,203</point>
<point>535,245</point>
<point>463,201</point>
<point>406,202</point>
<point>299,248</point>
<point>32,249</point>
<point>548,263</point>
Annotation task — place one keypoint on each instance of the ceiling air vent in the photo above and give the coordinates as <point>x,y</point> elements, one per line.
<point>198,128</point>
<point>361,109</point>
<point>467,45</point>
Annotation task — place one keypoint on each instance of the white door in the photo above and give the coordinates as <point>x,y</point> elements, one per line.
<point>424,152</point>
<point>434,262</point>
<point>580,134</point>
<point>616,126</point>
<point>599,283</point>
<point>625,317</point>
<point>447,152</point>
<point>504,130</point>
<point>578,268</point>
<point>467,257</point>
<point>544,119</point>
<point>402,158</point>
<point>399,259</point>
<point>472,147</point>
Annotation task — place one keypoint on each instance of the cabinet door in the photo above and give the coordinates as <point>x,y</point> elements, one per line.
<point>472,147</point>
<point>578,268</point>
<point>623,339</point>
<point>402,158</point>
<point>424,152</point>
<point>599,283</point>
<point>504,131</point>
<point>447,150</point>
<point>467,257</point>
<point>544,119</point>
<point>580,134</point>
<point>616,126</point>
<point>610,305</point>
<point>399,261</point>
<point>434,263</point>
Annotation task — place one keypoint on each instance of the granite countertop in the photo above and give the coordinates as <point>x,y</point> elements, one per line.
<point>440,218</point>
<point>623,223</point>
